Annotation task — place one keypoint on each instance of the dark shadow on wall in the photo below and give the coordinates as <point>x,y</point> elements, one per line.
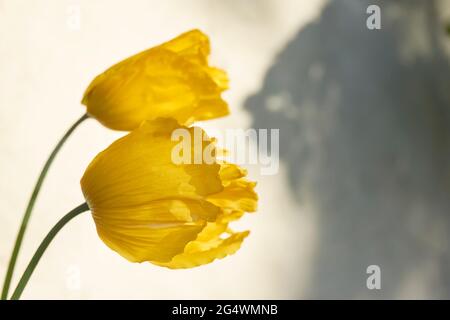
<point>364,120</point>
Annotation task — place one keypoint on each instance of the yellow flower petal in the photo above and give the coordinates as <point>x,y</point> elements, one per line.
<point>158,242</point>
<point>139,198</point>
<point>147,208</point>
<point>192,45</point>
<point>193,258</point>
<point>230,171</point>
<point>230,215</point>
<point>165,210</point>
<point>237,195</point>
<point>219,76</point>
<point>171,80</point>
<point>138,168</point>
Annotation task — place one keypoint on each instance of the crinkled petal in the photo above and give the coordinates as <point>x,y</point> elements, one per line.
<point>192,45</point>
<point>219,76</point>
<point>230,171</point>
<point>194,254</point>
<point>237,195</point>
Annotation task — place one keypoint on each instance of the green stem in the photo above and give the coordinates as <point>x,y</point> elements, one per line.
<point>31,202</point>
<point>43,246</point>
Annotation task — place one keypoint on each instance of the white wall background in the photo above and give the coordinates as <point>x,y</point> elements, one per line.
<point>45,65</point>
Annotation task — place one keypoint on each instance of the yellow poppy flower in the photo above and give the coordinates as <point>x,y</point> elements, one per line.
<point>147,208</point>
<point>171,80</point>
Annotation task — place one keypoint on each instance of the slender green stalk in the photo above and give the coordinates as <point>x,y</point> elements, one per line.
<point>43,246</point>
<point>31,202</point>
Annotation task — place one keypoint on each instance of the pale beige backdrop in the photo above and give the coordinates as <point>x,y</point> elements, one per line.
<point>46,62</point>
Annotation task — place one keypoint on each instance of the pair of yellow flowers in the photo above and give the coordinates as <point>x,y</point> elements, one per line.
<point>144,206</point>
